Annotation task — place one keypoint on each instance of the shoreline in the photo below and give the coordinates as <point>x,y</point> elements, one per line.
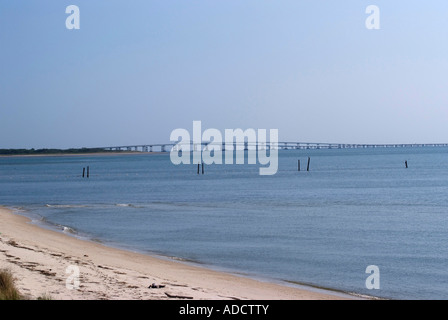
<point>93,154</point>
<point>39,257</point>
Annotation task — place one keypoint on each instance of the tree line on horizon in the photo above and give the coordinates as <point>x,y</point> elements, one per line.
<point>52,151</point>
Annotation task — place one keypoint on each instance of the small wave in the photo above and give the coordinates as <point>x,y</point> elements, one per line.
<point>365,296</point>
<point>123,205</point>
<point>129,205</point>
<point>188,260</point>
<point>19,209</point>
<point>68,230</point>
<point>45,222</point>
<point>65,206</point>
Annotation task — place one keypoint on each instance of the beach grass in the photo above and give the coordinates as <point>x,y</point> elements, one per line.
<point>8,290</point>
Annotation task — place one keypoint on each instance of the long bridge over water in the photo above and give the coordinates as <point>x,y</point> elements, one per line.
<point>166,147</point>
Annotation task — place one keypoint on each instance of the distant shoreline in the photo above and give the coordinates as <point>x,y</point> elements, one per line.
<point>80,154</point>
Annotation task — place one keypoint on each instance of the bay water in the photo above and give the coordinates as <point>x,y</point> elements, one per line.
<point>355,208</point>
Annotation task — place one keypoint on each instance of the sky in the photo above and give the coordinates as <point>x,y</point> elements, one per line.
<point>136,70</point>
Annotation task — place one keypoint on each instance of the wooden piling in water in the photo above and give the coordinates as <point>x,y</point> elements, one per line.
<point>298,165</point>
<point>198,166</point>
<point>88,171</point>
<point>202,167</point>
<point>406,164</point>
<point>83,172</point>
<point>308,165</point>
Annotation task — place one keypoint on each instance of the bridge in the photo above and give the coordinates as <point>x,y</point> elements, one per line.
<point>166,147</point>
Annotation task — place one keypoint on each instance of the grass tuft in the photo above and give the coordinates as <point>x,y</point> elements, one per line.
<point>8,290</point>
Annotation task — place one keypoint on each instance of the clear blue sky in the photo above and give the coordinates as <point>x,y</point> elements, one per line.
<point>138,69</point>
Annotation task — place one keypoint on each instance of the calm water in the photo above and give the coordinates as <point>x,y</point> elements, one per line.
<point>355,208</point>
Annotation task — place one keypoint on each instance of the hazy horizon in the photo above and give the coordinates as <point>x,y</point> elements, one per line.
<point>135,71</point>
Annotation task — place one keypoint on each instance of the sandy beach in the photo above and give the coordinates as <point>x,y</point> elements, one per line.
<point>42,260</point>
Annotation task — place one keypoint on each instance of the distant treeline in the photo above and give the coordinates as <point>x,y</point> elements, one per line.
<point>51,151</point>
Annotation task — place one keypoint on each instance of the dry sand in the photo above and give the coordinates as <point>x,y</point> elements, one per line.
<point>39,258</point>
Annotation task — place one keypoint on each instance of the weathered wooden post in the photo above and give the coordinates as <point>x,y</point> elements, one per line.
<point>308,165</point>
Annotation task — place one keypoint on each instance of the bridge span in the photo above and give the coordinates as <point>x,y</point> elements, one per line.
<point>167,147</point>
